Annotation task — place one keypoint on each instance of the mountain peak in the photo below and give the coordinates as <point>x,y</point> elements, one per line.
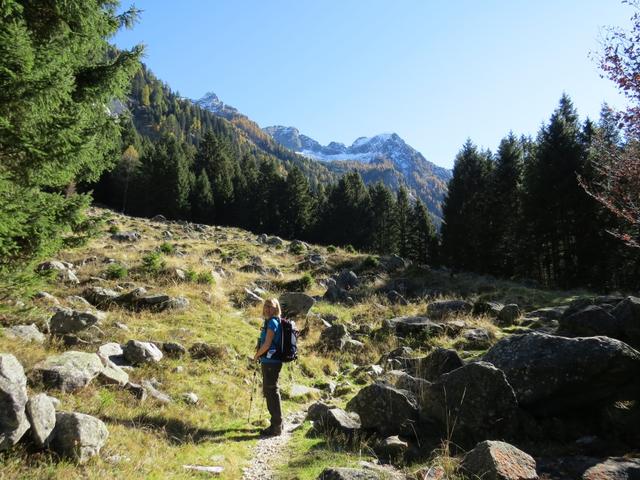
<point>210,101</point>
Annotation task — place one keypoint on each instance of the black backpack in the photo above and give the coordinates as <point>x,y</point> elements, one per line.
<point>287,351</point>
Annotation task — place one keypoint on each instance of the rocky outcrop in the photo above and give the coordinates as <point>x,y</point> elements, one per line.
<point>491,460</point>
<point>135,300</point>
<point>477,397</point>
<point>385,409</point>
<point>552,374</point>
<point>78,436</point>
<point>13,399</point>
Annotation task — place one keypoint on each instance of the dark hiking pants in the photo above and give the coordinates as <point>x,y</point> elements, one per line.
<point>270,373</point>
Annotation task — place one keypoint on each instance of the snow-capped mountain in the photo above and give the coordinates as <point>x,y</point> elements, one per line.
<point>211,102</point>
<point>385,157</point>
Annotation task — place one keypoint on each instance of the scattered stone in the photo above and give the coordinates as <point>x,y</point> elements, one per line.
<point>317,411</point>
<point>174,349</point>
<point>347,280</point>
<point>337,421</point>
<point>78,436</point>
<point>137,352</point>
<point>391,448</point>
<point>121,326</point>
<point>296,304</point>
<point>299,392</point>
<point>111,354</point>
<point>100,297</point>
<point>614,468</point>
<point>66,320</point>
<point>13,399</point>
<point>157,395</point>
<point>190,398</point>
<point>492,460</point>
<point>138,391</point>
<point>548,313</point>
<point>113,375</point>
<point>159,218</point>
<point>491,309</point>
<point>25,333</point>
<point>126,237</point>
<point>251,297</point>
<point>478,396</point>
<point>64,270</point>
<point>373,404</point>
<point>437,363</point>
<point>46,298</point>
<point>348,474</point>
<point>42,417</point>
<point>207,351</point>
<point>509,314</point>
<point>68,371</point>
<point>214,470</point>
<point>394,262</point>
<point>552,374</point>
<point>396,299</point>
<point>414,326</point>
<point>178,274</point>
<point>447,308</point>
<point>335,337</point>
<point>477,339</point>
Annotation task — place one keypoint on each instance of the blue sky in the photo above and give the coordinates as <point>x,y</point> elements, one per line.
<point>434,71</point>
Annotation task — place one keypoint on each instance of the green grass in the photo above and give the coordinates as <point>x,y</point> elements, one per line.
<point>116,271</point>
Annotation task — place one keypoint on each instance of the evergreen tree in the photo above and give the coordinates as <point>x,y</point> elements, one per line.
<point>403,211</point>
<point>58,75</point>
<point>213,155</point>
<point>296,205</point>
<point>422,235</point>
<point>202,199</point>
<point>384,234</point>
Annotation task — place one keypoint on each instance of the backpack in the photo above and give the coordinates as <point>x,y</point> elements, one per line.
<point>287,351</point>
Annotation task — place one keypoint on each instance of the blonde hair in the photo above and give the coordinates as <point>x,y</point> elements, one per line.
<point>274,304</point>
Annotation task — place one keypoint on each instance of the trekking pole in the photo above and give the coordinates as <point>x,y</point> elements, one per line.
<point>253,389</point>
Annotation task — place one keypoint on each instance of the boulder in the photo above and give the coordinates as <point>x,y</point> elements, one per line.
<point>509,314</point>
<point>111,354</point>
<point>137,352</point>
<point>42,416</point>
<point>296,304</point>
<point>396,299</point>
<point>68,371</point>
<point>548,313</point>
<point>437,363</point>
<point>190,398</point>
<point>346,280</point>
<point>478,397</point>
<point>335,337</point>
<point>156,394</point>
<point>391,448</point>
<point>13,399</point>
<point>447,308</point>
<point>251,297</point>
<point>627,312</point>
<point>394,262</point>
<point>100,297</point>
<point>66,320</point>
<point>78,436</point>
<point>25,333</point>
<point>297,392</point>
<point>64,270</point>
<point>417,386</point>
<point>174,349</point>
<point>589,322</point>
<point>46,297</point>
<point>492,460</point>
<point>385,409</point>
<point>477,339</point>
<point>491,309</point>
<point>614,468</point>
<point>348,474</point>
<point>403,326</point>
<point>126,237</point>
<point>551,374</point>
<point>207,351</point>
<point>317,411</point>
<point>336,421</point>
<point>113,375</point>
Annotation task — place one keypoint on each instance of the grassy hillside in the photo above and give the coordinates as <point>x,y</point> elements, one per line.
<point>150,440</point>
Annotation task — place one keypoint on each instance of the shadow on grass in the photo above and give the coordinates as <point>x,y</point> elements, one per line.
<point>179,432</point>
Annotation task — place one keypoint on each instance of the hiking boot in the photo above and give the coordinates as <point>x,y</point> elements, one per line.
<point>271,431</point>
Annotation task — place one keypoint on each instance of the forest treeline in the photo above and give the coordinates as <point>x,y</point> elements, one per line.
<point>521,212</point>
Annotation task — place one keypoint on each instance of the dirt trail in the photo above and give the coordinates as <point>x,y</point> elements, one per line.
<point>269,450</point>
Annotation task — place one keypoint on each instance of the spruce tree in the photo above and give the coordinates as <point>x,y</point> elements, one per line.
<point>58,77</point>
<point>403,211</point>
<point>422,235</point>
<point>384,234</point>
<point>202,199</point>
<point>296,205</point>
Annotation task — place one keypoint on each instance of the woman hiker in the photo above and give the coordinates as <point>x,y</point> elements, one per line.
<point>270,336</point>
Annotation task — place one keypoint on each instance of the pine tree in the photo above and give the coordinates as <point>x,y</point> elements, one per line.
<point>58,75</point>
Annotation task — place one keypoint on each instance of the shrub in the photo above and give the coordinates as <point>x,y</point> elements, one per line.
<point>296,248</point>
<point>190,275</point>
<point>167,248</point>
<point>113,229</point>
<point>370,262</point>
<point>349,248</point>
<point>205,277</point>
<point>331,249</point>
<point>153,263</point>
<point>116,271</point>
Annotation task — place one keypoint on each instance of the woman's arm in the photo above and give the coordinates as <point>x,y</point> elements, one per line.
<point>264,348</point>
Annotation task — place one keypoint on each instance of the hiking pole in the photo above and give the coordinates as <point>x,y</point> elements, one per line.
<point>253,389</point>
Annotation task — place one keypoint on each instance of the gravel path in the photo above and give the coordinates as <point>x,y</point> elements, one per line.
<point>269,449</point>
